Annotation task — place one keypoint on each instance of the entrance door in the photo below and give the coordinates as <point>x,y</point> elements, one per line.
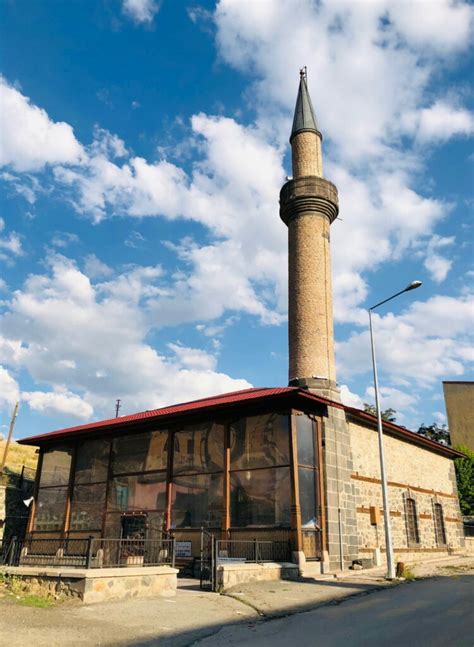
<point>133,526</point>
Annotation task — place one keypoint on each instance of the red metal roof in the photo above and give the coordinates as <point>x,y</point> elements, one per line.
<point>236,397</point>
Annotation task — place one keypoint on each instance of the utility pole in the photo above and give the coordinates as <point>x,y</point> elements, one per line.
<point>117,408</point>
<point>10,433</point>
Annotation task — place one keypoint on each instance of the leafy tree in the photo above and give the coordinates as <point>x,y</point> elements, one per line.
<point>435,432</point>
<point>390,415</point>
<point>465,480</point>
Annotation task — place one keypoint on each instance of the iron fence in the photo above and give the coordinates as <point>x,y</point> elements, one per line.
<point>89,552</point>
<point>256,551</point>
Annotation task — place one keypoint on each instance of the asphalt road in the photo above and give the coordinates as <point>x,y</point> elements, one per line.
<point>424,613</point>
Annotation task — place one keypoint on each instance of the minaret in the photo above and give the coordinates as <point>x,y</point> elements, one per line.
<point>308,206</point>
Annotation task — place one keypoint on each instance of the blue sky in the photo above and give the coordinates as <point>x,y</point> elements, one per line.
<point>143,147</point>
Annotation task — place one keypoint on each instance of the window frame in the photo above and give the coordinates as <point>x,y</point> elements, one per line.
<point>410,501</point>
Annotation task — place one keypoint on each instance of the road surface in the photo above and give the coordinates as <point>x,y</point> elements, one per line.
<point>425,613</point>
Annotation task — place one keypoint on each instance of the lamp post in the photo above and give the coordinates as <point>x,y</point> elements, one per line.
<point>386,511</point>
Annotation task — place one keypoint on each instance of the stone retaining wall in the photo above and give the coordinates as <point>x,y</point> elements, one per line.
<point>229,575</point>
<point>99,585</point>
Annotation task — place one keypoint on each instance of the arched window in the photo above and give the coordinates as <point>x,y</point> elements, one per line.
<point>412,521</point>
<point>440,530</point>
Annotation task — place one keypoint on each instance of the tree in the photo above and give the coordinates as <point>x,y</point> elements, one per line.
<point>435,432</point>
<point>390,415</point>
<point>465,480</point>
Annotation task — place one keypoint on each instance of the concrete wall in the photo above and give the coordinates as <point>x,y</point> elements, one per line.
<point>428,477</point>
<point>459,399</point>
<point>229,575</point>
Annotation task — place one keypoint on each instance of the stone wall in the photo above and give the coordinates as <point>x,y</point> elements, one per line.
<point>340,490</point>
<point>229,575</point>
<point>427,477</point>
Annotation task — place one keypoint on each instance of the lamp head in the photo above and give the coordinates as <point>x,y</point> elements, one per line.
<point>413,285</point>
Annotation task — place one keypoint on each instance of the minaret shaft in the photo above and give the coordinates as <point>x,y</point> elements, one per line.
<point>308,205</point>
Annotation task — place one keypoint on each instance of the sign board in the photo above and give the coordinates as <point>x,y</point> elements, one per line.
<point>184,549</point>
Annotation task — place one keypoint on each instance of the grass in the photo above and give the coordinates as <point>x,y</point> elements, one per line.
<point>36,601</point>
<point>408,574</point>
<point>15,589</point>
<point>18,455</point>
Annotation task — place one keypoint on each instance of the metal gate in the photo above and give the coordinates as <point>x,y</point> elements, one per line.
<point>208,580</point>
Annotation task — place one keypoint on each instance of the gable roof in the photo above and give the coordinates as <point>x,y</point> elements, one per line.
<point>291,395</point>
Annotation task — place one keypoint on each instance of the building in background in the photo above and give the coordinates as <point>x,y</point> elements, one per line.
<point>459,401</point>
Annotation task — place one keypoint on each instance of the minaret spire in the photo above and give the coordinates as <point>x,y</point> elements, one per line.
<point>308,206</point>
<point>305,118</point>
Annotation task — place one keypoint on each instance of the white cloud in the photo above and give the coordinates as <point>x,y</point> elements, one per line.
<point>109,358</point>
<point>141,11</point>
<point>9,390</point>
<point>61,401</point>
<point>9,245</point>
<point>30,139</point>
<point>94,268</point>
<point>349,398</point>
<point>63,239</point>
<point>440,122</point>
<point>436,264</point>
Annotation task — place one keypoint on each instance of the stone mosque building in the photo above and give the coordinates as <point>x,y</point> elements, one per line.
<point>292,463</point>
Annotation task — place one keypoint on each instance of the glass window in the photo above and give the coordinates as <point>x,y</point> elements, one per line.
<point>142,492</point>
<point>197,500</point>
<point>50,508</point>
<point>260,497</point>
<point>92,461</point>
<point>199,449</point>
<point>440,531</point>
<point>87,507</point>
<point>56,467</point>
<point>259,441</point>
<point>412,521</point>
<point>140,452</point>
<point>306,441</point>
<point>307,488</point>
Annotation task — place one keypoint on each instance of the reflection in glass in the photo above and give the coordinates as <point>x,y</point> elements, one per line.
<point>50,508</point>
<point>307,497</point>
<point>56,467</point>
<point>259,441</point>
<point>260,497</point>
<point>306,441</point>
<point>197,500</point>
<point>199,448</point>
<point>140,452</point>
<point>87,506</point>
<point>92,461</point>
<point>142,492</point>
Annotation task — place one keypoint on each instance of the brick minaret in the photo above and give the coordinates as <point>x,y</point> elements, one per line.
<point>308,206</point>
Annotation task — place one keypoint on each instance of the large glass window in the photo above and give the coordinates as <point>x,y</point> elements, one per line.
<point>87,506</point>
<point>199,449</point>
<point>308,502</point>
<point>140,452</point>
<point>259,441</point>
<point>141,492</point>
<point>56,467</point>
<point>197,500</point>
<point>92,461</point>
<point>306,440</point>
<point>50,508</point>
<point>260,497</point>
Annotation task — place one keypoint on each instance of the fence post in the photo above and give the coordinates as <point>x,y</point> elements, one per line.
<point>11,551</point>
<point>21,477</point>
<point>90,541</point>
<point>255,548</point>
<point>173,551</point>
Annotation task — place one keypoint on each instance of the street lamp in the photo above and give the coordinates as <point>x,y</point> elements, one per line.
<point>386,511</point>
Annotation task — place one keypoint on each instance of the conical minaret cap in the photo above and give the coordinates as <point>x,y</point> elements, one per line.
<point>304,119</point>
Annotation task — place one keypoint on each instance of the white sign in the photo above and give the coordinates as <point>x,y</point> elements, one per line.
<point>183,549</point>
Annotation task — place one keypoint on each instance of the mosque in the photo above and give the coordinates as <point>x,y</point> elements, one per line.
<point>289,464</point>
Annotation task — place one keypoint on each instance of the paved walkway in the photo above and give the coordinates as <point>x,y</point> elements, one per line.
<point>189,617</point>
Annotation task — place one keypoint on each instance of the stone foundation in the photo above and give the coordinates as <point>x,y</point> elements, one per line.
<point>91,585</point>
<point>229,575</point>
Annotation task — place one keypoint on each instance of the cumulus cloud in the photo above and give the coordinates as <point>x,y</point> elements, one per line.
<point>9,390</point>
<point>10,245</point>
<point>141,11</point>
<point>30,139</point>
<point>92,336</point>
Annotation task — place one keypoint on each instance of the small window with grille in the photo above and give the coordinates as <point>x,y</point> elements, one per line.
<point>412,522</point>
<point>440,530</point>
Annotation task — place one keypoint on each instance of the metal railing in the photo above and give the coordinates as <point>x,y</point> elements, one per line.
<point>89,553</point>
<point>256,551</point>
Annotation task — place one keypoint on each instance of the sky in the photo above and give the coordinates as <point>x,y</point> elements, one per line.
<point>143,145</point>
